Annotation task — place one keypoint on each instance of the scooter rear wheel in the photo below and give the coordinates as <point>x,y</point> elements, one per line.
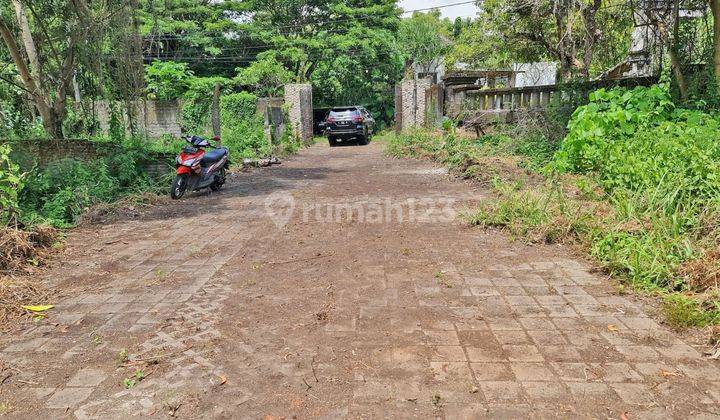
<point>179,186</point>
<point>219,180</point>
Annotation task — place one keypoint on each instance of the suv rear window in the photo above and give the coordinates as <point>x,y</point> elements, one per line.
<point>343,112</point>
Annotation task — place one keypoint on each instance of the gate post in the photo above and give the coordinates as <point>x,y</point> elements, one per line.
<point>299,99</point>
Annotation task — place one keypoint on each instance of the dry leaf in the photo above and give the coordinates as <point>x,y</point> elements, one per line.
<point>612,328</point>
<point>223,379</point>
<point>666,373</point>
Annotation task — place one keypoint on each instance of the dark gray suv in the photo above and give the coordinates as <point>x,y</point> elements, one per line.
<point>349,122</point>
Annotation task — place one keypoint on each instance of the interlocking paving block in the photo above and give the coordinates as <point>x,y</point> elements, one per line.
<point>502,391</point>
<point>68,397</point>
<point>26,346</point>
<point>87,377</point>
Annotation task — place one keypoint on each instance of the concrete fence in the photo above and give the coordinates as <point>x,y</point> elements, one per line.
<point>155,119</point>
<point>151,118</point>
<point>39,153</point>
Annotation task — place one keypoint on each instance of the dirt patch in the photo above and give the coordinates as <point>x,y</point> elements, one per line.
<point>488,169</point>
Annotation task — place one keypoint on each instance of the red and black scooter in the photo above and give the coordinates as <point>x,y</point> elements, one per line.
<point>198,169</point>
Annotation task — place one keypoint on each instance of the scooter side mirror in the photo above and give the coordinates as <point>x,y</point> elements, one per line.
<point>216,138</point>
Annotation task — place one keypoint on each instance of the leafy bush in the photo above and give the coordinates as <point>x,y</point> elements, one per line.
<point>10,183</point>
<point>17,116</point>
<point>59,192</point>
<point>242,129</point>
<point>167,80</point>
<point>637,140</point>
<point>65,188</point>
<point>610,117</point>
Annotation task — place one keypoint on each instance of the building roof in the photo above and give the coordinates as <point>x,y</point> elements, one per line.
<point>468,77</point>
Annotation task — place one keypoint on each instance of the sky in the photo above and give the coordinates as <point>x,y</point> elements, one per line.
<point>463,10</point>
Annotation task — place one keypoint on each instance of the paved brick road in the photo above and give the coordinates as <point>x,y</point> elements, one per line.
<point>356,307</point>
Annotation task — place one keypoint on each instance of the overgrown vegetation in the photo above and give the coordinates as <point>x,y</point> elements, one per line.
<point>10,183</point>
<point>63,189</point>
<point>635,184</point>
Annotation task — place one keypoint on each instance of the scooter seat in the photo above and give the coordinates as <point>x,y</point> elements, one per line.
<point>213,156</point>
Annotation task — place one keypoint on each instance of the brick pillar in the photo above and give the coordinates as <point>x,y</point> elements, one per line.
<point>298,97</point>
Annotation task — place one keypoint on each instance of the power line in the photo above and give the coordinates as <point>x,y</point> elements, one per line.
<point>239,59</point>
<point>285,41</point>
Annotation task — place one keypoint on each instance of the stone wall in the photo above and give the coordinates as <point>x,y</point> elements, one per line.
<point>152,118</point>
<point>298,98</point>
<point>454,102</point>
<point>157,118</point>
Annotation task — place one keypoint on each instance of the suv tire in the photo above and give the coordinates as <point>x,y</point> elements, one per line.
<point>332,141</point>
<point>362,140</point>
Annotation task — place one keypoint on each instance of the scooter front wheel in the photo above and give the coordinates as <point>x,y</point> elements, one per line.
<point>179,186</point>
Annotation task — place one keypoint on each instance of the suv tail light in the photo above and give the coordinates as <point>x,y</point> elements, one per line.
<point>330,119</point>
<point>358,118</point>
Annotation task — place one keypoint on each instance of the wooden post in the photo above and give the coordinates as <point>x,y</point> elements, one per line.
<point>216,112</point>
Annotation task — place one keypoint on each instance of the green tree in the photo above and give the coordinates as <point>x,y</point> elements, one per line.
<point>59,48</point>
<point>424,39</point>
<point>457,27</point>
<point>584,36</point>
<point>265,77</point>
<point>205,34</point>
<point>346,49</point>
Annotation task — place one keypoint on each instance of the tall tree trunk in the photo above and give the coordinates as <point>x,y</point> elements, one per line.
<point>47,113</point>
<point>671,40</point>
<point>674,51</point>
<point>589,13</point>
<point>28,42</point>
<point>715,8</point>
